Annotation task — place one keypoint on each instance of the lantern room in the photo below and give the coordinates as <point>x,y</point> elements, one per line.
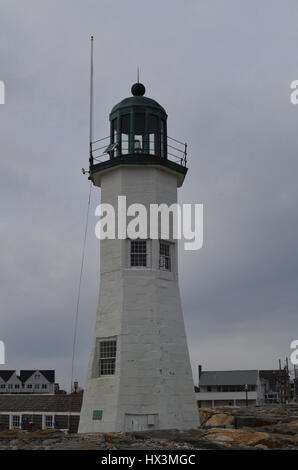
<point>138,126</point>
<point>138,136</point>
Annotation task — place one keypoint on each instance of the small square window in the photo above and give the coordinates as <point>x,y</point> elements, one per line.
<point>97,415</point>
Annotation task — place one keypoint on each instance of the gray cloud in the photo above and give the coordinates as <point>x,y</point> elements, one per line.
<point>222,70</point>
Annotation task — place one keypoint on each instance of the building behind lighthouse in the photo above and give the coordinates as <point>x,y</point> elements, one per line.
<point>139,375</point>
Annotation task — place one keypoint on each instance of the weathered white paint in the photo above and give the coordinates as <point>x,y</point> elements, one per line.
<point>142,308</point>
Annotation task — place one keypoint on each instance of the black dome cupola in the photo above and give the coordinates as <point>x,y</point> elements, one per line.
<point>138,126</point>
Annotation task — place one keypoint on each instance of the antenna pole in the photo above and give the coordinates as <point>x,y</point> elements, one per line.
<point>91,106</point>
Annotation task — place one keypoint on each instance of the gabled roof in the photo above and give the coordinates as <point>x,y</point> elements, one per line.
<point>229,377</point>
<point>6,374</point>
<point>48,374</point>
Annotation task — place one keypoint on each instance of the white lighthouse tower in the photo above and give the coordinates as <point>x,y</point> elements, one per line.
<point>139,375</point>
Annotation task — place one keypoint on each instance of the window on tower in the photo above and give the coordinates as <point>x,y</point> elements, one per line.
<point>163,140</point>
<point>138,253</point>
<point>114,137</point>
<point>139,134</point>
<point>125,132</point>
<point>164,256</point>
<point>153,132</point>
<point>106,353</point>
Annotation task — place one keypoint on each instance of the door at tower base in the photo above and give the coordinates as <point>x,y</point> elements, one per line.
<point>140,422</point>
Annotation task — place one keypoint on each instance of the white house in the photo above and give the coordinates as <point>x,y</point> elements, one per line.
<point>38,381</point>
<point>229,388</point>
<point>29,381</point>
<point>10,382</point>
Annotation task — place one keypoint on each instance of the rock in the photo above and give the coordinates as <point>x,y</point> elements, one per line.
<point>220,419</point>
<point>261,447</point>
<point>222,438</point>
<point>205,414</point>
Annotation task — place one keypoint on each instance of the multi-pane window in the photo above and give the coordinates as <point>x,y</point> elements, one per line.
<point>15,421</point>
<point>139,130</point>
<point>114,134</point>
<point>49,421</point>
<point>164,256</point>
<point>36,386</point>
<point>125,132</point>
<point>153,131</point>
<point>17,386</point>
<point>44,386</point>
<point>138,253</point>
<point>29,386</point>
<point>106,357</point>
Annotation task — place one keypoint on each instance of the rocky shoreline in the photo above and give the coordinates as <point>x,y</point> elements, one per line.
<point>221,428</point>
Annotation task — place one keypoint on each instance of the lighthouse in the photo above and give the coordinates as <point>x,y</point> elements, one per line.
<point>139,375</point>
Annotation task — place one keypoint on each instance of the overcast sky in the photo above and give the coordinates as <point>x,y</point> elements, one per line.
<point>222,69</point>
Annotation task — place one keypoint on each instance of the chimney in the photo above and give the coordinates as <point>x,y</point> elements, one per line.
<point>200,371</point>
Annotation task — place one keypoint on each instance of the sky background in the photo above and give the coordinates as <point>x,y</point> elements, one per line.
<point>222,69</point>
